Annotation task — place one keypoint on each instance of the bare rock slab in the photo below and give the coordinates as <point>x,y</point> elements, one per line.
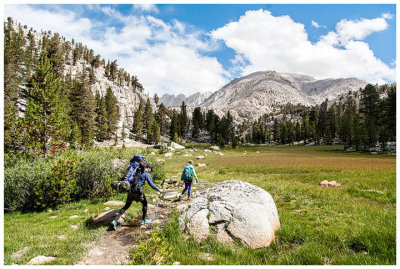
<point>238,210</point>
<point>40,260</point>
<point>106,217</point>
<point>19,254</point>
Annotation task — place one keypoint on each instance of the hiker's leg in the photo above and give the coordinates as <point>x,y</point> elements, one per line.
<point>186,187</point>
<point>190,189</point>
<point>144,207</point>
<point>128,203</point>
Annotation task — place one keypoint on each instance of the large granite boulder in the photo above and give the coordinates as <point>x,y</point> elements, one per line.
<point>176,146</point>
<point>238,210</point>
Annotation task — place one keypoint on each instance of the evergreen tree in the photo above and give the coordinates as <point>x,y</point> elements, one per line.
<point>197,121</point>
<point>161,118</point>
<point>156,99</point>
<point>83,109</point>
<point>369,109</point>
<point>147,116</point>
<point>101,118</point>
<point>138,119</point>
<point>44,111</point>
<point>112,113</point>
<point>183,120</point>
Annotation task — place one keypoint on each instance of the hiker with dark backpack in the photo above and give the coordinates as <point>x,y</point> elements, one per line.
<point>187,177</point>
<point>137,180</point>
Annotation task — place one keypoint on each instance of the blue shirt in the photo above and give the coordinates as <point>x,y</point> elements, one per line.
<point>146,177</point>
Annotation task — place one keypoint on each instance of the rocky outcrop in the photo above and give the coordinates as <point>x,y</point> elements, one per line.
<point>170,100</point>
<point>253,95</point>
<point>237,210</point>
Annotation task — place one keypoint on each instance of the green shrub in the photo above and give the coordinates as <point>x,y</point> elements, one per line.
<point>20,178</point>
<point>156,251</point>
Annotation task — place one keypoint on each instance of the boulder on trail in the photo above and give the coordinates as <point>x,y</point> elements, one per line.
<point>106,217</point>
<point>238,210</point>
<point>176,146</point>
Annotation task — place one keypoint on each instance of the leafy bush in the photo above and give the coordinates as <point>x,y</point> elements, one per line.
<point>156,251</point>
<point>20,178</point>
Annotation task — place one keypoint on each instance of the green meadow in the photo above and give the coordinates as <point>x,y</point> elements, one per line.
<point>351,224</point>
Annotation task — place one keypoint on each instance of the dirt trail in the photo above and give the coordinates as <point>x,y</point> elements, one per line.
<point>114,247</point>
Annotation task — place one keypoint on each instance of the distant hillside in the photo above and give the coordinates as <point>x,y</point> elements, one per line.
<point>196,99</point>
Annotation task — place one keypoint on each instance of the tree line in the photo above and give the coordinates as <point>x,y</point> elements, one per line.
<point>46,108</point>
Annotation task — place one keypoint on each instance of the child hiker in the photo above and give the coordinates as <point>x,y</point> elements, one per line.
<point>187,177</point>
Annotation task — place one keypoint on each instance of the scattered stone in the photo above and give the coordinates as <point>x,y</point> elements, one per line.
<point>160,160</point>
<point>157,222</point>
<point>206,257</point>
<point>168,155</point>
<point>201,164</point>
<point>150,206</point>
<point>182,207</point>
<point>147,232</point>
<point>154,200</point>
<point>49,210</point>
<point>74,226</point>
<point>19,254</point>
<point>53,217</point>
<point>207,150</point>
<point>170,195</point>
<point>40,260</point>
<point>106,217</point>
<point>200,157</point>
<point>62,237</point>
<point>143,226</point>
<point>107,208</point>
<point>114,203</point>
<point>257,152</point>
<point>74,217</point>
<point>339,149</point>
<point>374,153</point>
<point>176,146</point>
<point>152,153</point>
<point>187,155</point>
<point>221,154</point>
<point>176,263</point>
<point>380,192</point>
<point>227,205</point>
<point>86,210</point>
<point>214,148</point>
<point>327,183</point>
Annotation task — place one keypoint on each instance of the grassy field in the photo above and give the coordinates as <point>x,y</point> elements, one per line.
<point>351,224</point>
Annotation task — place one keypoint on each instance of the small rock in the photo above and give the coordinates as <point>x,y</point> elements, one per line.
<point>182,207</point>
<point>49,210</point>
<point>168,155</point>
<point>201,164</point>
<point>62,237</point>
<point>74,217</point>
<point>257,152</point>
<point>176,263</point>
<point>86,210</point>
<point>207,150</point>
<point>150,206</point>
<point>40,260</point>
<point>157,222</point>
<point>19,254</point>
<point>152,153</point>
<point>143,226</point>
<point>147,232</point>
<point>200,157</point>
<point>74,226</point>
<point>214,148</point>
<point>205,257</point>
<point>154,200</point>
<point>339,149</point>
<point>374,153</point>
<point>187,155</point>
<point>107,208</point>
<point>114,203</point>
<point>160,160</point>
<point>327,183</point>
<point>221,154</point>
<point>53,217</point>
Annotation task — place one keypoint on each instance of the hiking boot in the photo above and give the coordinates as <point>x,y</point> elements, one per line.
<point>145,221</point>
<point>179,197</point>
<point>113,226</point>
<point>189,199</point>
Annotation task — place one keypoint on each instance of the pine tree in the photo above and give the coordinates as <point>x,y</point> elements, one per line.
<point>138,119</point>
<point>112,113</point>
<point>147,116</point>
<point>156,98</point>
<point>44,111</point>
<point>153,135</point>
<point>83,109</point>
<point>101,118</point>
<point>113,70</point>
<point>369,109</point>
<point>197,121</point>
<point>183,120</point>
<point>161,118</point>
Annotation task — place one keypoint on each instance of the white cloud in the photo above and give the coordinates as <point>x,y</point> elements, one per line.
<point>146,7</point>
<point>316,25</point>
<point>279,43</point>
<point>387,15</point>
<point>166,57</point>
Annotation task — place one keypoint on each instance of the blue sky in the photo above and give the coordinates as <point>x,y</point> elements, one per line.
<point>194,47</point>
